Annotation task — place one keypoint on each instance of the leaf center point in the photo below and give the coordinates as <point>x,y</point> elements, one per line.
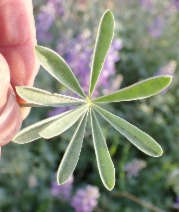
<point>89,101</point>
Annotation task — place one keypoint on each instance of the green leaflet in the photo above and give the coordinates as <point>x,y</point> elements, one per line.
<point>140,90</point>
<point>137,137</point>
<point>31,133</point>
<point>65,122</point>
<point>58,68</point>
<point>72,153</point>
<point>103,42</point>
<point>104,162</point>
<point>41,97</point>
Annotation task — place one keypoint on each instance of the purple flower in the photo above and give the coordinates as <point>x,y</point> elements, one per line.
<point>176,4</point>
<point>62,192</point>
<point>85,200</point>
<point>133,168</point>
<point>169,69</point>
<point>78,54</point>
<point>109,65</point>
<point>44,21</point>
<point>46,18</point>
<point>147,4</point>
<point>59,110</point>
<point>156,29</point>
<point>176,204</point>
<point>57,4</point>
<point>177,199</point>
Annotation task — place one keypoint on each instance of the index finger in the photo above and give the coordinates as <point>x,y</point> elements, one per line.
<point>17,40</point>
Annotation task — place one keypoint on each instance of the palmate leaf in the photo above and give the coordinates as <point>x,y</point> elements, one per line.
<point>140,90</point>
<point>137,137</point>
<point>58,68</point>
<point>41,97</point>
<point>72,153</point>
<point>104,162</point>
<point>54,126</point>
<point>103,42</point>
<point>65,122</point>
<point>31,133</point>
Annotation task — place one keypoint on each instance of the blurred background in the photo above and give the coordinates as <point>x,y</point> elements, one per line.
<point>146,43</point>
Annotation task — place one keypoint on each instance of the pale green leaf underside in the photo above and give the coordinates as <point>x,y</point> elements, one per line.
<point>62,124</point>
<point>31,133</point>
<point>58,68</point>
<point>103,42</point>
<point>72,153</point>
<point>44,98</point>
<point>104,162</point>
<point>137,137</point>
<point>140,90</point>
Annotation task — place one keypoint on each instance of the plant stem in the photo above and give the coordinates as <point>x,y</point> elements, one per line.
<point>137,200</point>
<point>125,153</point>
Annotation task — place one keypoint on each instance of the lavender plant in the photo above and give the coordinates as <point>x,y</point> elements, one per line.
<point>87,106</point>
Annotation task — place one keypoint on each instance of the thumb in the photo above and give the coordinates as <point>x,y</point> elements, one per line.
<point>4,82</point>
<point>10,114</point>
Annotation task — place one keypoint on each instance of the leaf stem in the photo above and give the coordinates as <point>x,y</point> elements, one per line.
<point>30,105</point>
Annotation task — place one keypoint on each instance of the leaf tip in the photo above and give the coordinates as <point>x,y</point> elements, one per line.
<point>168,79</point>
<point>108,11</point>
<point>159,153</point>
<point>110,186</point>
<point>60,179</point>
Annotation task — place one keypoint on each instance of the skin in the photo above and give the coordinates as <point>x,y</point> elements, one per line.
<point>18,65</point>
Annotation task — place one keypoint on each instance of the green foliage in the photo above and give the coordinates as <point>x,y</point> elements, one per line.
<point>63,123</point>
<point>31,133</point>
<point>140,90</point>
<point>141,57</point>
<point>140,139</point>
<point>103,42</point>
<point>104,162</point>
<point>59,69</point>
<point>72,152</point>
<point>44,98</point>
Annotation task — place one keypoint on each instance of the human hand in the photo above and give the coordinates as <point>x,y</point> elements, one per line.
<point>18,65</point>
